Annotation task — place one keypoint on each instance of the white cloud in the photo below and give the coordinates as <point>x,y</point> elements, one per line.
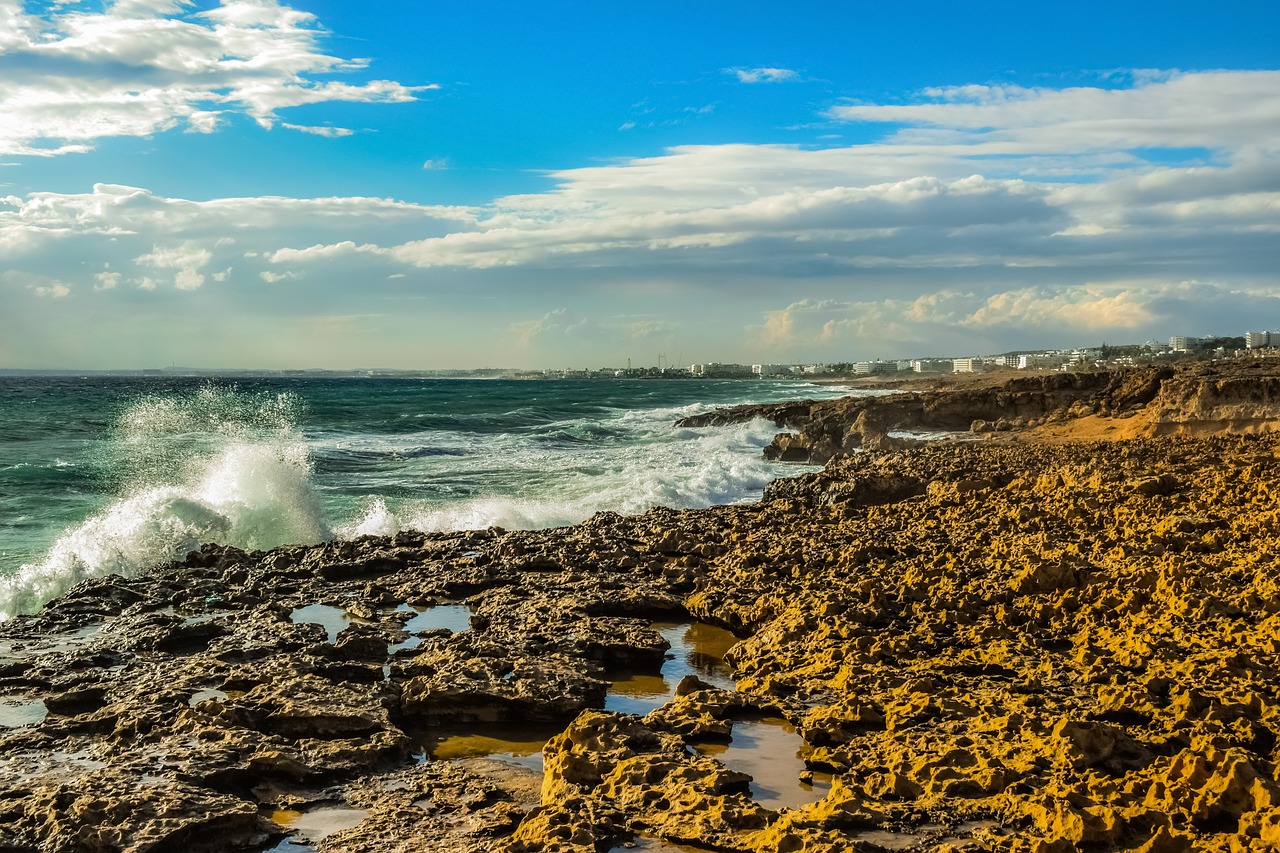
<point>42,286</point>
<point>644,330</point>
<point>947,231</point>
<point>331,132</point>
<point>185,260</point>
<point>1228,110</point>
<point>141,67</point>
<point>155,242</point>
<point>323,252</point>
<point>958,322</point>
<point>57,290</point>
<point>965,198</point>
<point>1086,309</point>
<point>764,75</point>
<point>107,280</point>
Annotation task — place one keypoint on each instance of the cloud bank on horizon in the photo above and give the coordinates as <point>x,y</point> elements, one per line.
<point>961,218</point>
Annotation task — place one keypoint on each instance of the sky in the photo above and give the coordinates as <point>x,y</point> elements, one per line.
<point>420,184</point>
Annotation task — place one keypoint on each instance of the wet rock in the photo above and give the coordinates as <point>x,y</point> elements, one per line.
<point>1036,646</point>
<point>492,690</point>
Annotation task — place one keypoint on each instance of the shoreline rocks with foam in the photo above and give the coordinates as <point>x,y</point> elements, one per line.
<point>995,645</point>
<point>1196,398</point>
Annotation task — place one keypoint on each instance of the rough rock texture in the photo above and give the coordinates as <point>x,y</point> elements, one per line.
<point>990,645</point>
<point>1201,398</point>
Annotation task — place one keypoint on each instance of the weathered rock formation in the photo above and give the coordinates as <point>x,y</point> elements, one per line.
<point>1197,398</point>
<point>989,645</point>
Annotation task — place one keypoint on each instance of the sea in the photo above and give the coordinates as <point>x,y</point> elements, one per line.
<point>112,474</point>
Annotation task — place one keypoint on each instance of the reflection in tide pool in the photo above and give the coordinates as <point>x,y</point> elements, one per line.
<point>332,619</point>
<point>453,618</point>
<point>16,712</point>
<point>207,694</point>
<point>519,745</point>
<point>769,751</point>
<point>696,649</point>
<point>315,825</point>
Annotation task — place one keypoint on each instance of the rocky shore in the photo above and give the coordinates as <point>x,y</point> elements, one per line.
<point>1021,642</point>
<point>1200,398</point>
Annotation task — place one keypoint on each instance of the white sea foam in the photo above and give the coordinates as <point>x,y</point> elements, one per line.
<point>233,468</point>
<point>657,466</point>
<point>222,467</point>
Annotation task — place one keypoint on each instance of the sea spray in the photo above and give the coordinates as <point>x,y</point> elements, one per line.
<point>218,466</point>
<point>627,462</point>
<point>114,474</point>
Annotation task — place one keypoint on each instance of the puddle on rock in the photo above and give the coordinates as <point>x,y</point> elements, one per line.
<point>28,766</point>
<point>930,834</point>
<point>769,751</point>
<point>315,825</point>
<point>292,845</point>
<point>204,695</point>
<point>68,641</point>
<point>515,744</point>
<point>644,844</point>
<point>453,618</point>
<point>332,619</point>
<point>696,649</point>
<point>16,712</point>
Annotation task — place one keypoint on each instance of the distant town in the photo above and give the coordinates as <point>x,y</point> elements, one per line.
<point>1178,347</point>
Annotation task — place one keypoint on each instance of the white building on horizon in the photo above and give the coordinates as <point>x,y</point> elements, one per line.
<point>932,365</point>
<point>715,368</point>
<point>1040,361</point>
<point>1258,340</point>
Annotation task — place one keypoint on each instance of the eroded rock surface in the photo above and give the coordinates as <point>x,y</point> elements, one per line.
<point>988,646</point>
<point>1199,398</point>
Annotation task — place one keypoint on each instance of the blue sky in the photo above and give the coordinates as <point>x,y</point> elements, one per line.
<point>257,183</point>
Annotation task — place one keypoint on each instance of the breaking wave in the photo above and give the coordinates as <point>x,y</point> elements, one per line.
<point>259,469</point>
<point>218,466</point>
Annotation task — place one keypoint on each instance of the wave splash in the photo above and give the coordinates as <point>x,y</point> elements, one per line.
<point>566,482</point>
<point>217,466</point>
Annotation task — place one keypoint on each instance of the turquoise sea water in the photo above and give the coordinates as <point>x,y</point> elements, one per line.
<point>112,474</point>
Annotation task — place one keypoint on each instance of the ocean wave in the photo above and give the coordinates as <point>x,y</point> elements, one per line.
<point>682,469</point>
<point>220,467</point>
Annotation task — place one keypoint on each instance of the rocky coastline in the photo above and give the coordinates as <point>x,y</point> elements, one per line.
<point>1028,640</point>
<point>1199,398</point>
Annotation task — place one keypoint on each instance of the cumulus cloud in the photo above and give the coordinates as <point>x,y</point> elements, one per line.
<point>57,290</point>
<point>39,285</point>
<point>559,322</point>
<point>967,224</point>
<point>643,330</point>
<point>73,75</point>
<point>153,242</point>
<point>185,261</point>
<point>107,280</point>
<point>971,179</point>
<point>1086,309</point>
<point>958,322</point>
